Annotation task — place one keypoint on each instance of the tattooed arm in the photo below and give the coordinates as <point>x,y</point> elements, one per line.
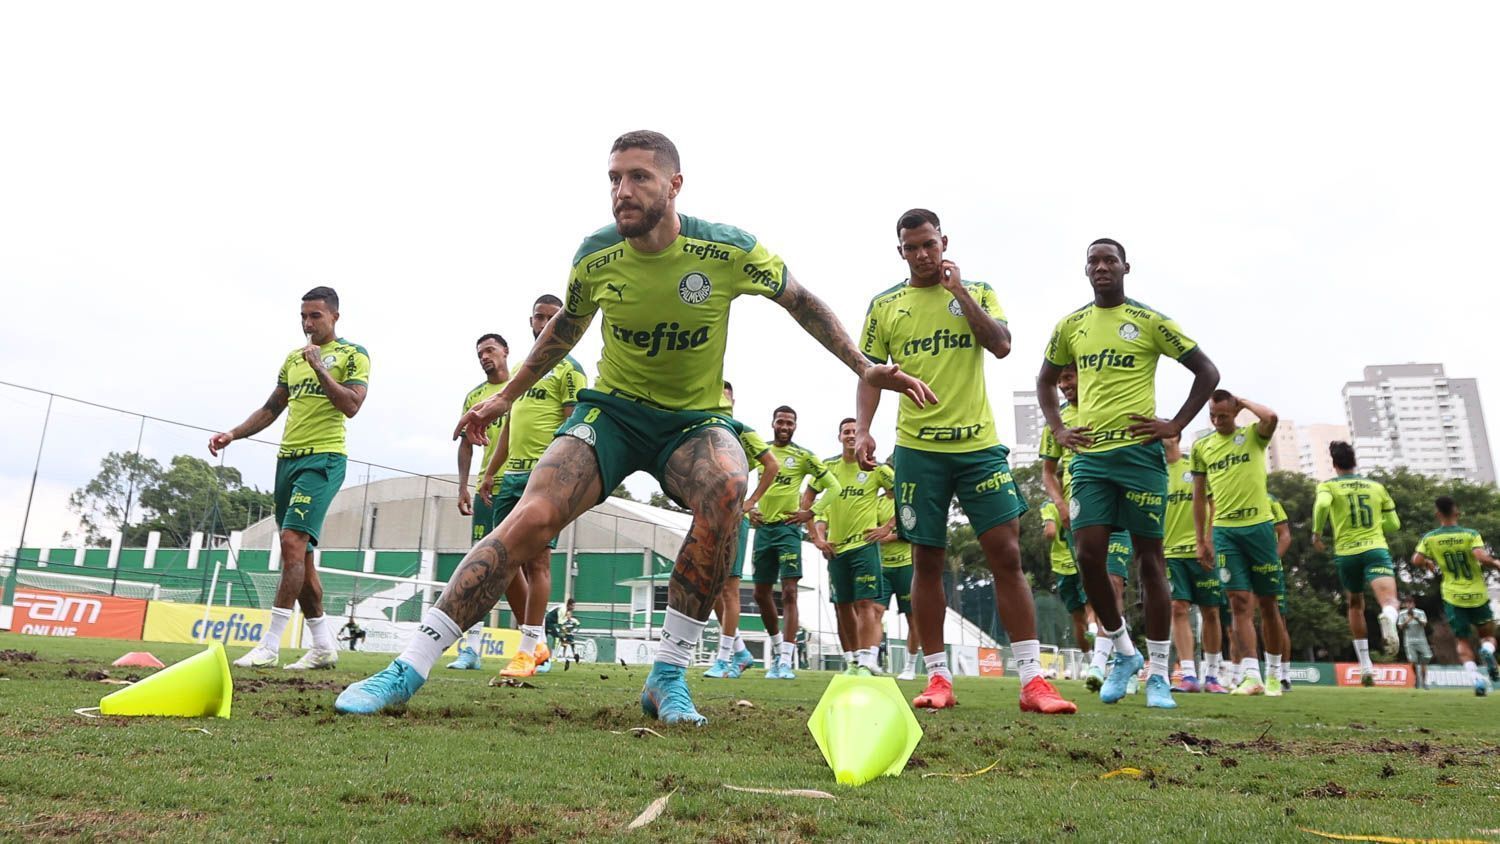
<point>817,319</point>
<point>559,337</point>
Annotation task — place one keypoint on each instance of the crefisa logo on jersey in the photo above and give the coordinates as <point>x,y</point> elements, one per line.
<point>1128,331</point>
<point>694,288</point>
<point>955,308</point>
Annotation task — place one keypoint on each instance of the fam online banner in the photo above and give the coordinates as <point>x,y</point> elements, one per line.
<point>44,612</point>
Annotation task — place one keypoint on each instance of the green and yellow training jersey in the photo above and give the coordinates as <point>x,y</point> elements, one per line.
<point>1116,350</point>
<point>491,431</point>
<point>1235,468</point>
<point>536,416</point>
<point>1057,550</point>
<point>1051,450</point>
<point>313,424</point>
<point>1181,539</point>
<point>925,331</point>
<point>666,314</point>
<point>1278,512</point>
<point>785,493</point>
<point>1452,549</point>
<point>896,553</point>
<point>855,508</point>
<point>1360,510</point>
<point>750,441</point>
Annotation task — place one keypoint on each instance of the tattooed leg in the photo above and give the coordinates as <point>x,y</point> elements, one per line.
<point>708,474</point>
<point>562,487</point>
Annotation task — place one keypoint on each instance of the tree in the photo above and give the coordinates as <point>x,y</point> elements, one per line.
<point>660,499</point>
<point>190,495</point>
<point>104,505</point>
<point>621,492</point>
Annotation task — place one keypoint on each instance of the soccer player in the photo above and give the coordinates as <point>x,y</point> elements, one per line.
<point>1360,512</point>
<point>320,385</point>
<point>1283,543</point>
<point>1065,570</point>
<point>518,446</point>
<point>846,520</point>
<point>733,656</point>
<point>664,283</point>
<point>895,572</point>
<point>1459,553</point>
<point>940,328</point>
<point>1195,581</point>
<point>1232,462</point>
<point>1413,625</point>
<point>1120,471</point>
<point>493,353</point>
<point>778,520</point>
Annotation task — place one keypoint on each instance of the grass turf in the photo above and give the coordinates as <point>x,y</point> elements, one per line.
<point>469,762</point>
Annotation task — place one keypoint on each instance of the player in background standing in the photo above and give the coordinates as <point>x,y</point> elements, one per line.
<point>519,446</point>
<point>895,572</point>
<point>1412,623</point>
<point>941,328</point>
<point>493,352</point>
<point>1065,572</point>
<point>1459,554</point>
<point>1361,512</point>
<point>1283,544</point>
<point>320,385</point>
<point>1119,476</point>
<point>733,656</point>
<point>1195,581</point>
<point>778,520</point>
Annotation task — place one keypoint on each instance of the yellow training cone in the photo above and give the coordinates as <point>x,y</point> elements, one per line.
<point>195,687</point>
<point>865,728</point>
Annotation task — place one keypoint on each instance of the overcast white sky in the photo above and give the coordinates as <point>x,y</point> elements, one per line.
<point>1306,188</point>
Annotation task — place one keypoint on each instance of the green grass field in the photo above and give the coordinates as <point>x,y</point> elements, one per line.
<point>469,762</point>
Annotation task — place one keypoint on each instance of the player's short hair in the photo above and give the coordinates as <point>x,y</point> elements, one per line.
<point>1342,454</point>
<point>548,299</point>
<point>1070,365</point>
<point>1446,505</point>
<point>324,294</point>
<point>1221,396</point>
<point>497,338</point>
<point>783,409</point>
<point>656,142</point>
<point>915,219</point>
<point>1119,247</point>
<point>572,601</point>
<point>847,420</point>
<point>728,386</point>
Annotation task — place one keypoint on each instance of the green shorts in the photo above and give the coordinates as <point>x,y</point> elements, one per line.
<point>738,570</point>
<point>1247,559</point>
<point>1192,584</point>
<point>1120,552</point>
<point>778,553</point>
<point>855,575</point>
<point>483,521</point>
<point>634,436</point>
<point>1124,488</point>
<point>305,486</point>
<point>926,482</point>
<point>1465,621</point>
<point>1070,590</point>
<point>896,580</point>
<point>1357,570</point>
<point>507,496</point>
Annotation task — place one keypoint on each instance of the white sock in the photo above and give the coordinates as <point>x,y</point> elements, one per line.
<point>937,666</point>
<point>739,643</point>
<point>1157,653</point>
<point>436,633</point>
<point>1273,667</point>
<point>1473,670</point>
<point>776,640</point>
<point>279,619</point>
<point>869,658</point>
<point>1189,668</point>
<point>679,638</point>
<point>1028,656</point>
<point>322,636</point>
<point>1211,665</point>
<point>788,654</point>
<point>1362,651</point>
<point>531,636</point>
<point>1250,667</point>
<point>848,658</point>
<point>1236,673</point>
<point>1103,647</point>
<point>1285,672</point>
<point>1094,629</point>
<point>1121,640</point>
<point>1487,647</point>
<point>726,648</point>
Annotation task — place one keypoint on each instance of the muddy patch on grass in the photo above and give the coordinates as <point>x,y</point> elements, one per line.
<point>491,831</point>
<point>17,656</point>
<point>93,823</point>
<point>1328,790</point>
<point>298,684</point>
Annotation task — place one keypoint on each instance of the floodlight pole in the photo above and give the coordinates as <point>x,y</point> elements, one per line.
<point>10,582</point>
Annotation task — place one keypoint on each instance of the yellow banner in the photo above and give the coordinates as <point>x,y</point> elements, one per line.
<point>234,626</point>
<point>498,643</point>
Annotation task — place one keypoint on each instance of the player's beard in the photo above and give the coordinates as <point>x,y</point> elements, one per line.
<point>649,219</point>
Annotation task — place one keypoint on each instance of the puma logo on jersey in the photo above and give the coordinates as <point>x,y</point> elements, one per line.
<point>618,291</point>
